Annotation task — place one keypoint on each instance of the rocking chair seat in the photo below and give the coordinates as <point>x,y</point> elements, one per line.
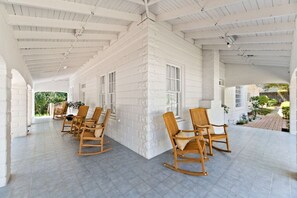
<point>192,147</point>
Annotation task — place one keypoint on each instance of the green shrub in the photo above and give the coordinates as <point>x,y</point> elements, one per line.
<point>272,102</point>
<point>264,111</point>
<point>263,100</point>
<point>286,112</point>
<point>285,104</point>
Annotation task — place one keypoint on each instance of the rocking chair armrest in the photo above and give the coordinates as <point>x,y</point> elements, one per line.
<point>202,126</point>
<point>189,131</point>
<point>219,125</point>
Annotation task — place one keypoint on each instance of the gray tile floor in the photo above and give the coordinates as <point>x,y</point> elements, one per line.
<point>45,164</point>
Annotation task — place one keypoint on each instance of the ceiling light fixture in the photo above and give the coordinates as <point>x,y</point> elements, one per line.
<point>65,67</point>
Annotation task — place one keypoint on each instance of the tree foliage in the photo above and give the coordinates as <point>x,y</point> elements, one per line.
<point>280,87</point>
<point>42,100</point>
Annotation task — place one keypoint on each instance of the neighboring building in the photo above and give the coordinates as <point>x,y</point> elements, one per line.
<point>237,99</point>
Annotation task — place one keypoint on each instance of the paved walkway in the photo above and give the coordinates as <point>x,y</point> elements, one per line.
<point>272,122</point>
<point>45,164</point>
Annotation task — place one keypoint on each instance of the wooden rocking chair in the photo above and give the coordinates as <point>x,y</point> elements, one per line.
<point>88,121</point>
<point>200,121</point>
<point>60,110</point>
<point>94,133</point>
<point>195,145</point>
<point>76,120</point>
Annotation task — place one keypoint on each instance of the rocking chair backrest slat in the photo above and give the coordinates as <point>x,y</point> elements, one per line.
<point>106,119</point>
<point>171,123</point>
<point>83,111</point>
<point>64,107</point>
<point>199,116</point>
<point>96,114</point>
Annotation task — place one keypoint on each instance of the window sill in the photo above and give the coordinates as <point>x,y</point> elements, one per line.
<point>179,119</point>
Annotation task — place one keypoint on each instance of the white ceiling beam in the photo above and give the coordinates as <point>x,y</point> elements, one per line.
<point>57,62</point>
<point>45,44</point>
<point>78,8</point>
<point>288,38</point>
<point>256,53</point>
<point>277,11</point>
<point>139,2</point>
<point>61,35</point>
<point>250,47</point>
<point>275,27</point>
<point>63,24</point>
<point>56,56</point>
<point>45,66</point>
<point>195,8</point>
<point>152,2</point>
<point>28,52</point>
<point>266,58</point>
<point>257,63</point>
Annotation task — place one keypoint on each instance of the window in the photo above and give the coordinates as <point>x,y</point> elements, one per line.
<point>102,94</point>
<point>238,98</point>
<point>173,90</point>
<point>112,91</point>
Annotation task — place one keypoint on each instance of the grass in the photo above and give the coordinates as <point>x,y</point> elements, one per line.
<point>41,115</point>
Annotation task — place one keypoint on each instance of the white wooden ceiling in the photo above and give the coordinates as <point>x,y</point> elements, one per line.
<point>53,34</point>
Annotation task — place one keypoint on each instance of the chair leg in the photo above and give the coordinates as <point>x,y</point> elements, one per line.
<point>227,143</point>
<point>210,145</point>
<point>80,146</point>
<point>175,160</point>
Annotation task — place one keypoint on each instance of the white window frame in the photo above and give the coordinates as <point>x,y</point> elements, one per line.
<point>112,93</point>
<point>102,92</point>
<point>174,88</point>
<point>238,97</point>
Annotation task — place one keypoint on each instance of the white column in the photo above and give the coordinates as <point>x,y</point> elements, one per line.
<point>293,102</point>
<point>18,111</point>
<point>29,105</point>
<point>210,86</point>
<point>5,138</point>
<point>293,94</point>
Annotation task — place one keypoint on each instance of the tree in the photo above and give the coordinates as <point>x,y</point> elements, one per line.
<point>42,100</point>
<point>280,88</point>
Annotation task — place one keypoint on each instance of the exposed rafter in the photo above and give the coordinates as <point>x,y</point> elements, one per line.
<point>250,47</point>
<point>256,53</point>
<point>141,2</point>
<point>78,8</point>
<point>195,8</point>
<point>277,11</point>
<point>79,60</point>
<point>56,56</point>
<point>57,23</point>
<point>276,27</point>
<point>28,52</point>
<point>61,35</point>
<point>288,38</point>
<point>44,44</point>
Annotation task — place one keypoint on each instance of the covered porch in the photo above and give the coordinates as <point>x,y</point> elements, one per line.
<point>45,164</point>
